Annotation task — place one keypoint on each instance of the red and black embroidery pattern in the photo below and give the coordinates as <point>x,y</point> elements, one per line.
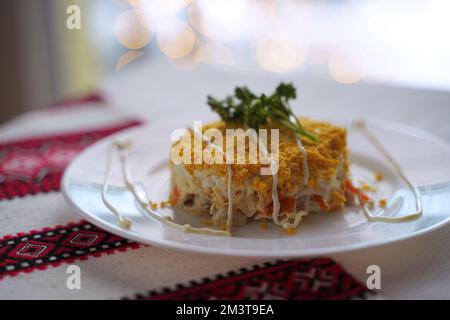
<point>37,165</point>
<point>92,98</point>
<point>53,246</point>
<point>291,280</point>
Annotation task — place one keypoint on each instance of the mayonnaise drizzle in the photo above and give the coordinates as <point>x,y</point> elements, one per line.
<point>123,222</point>
<point>361,126</point>
<point>274,171</point>
<point>230,176</point>
<point>275,199</point>
<point>230,198</point>
<point>305,161</point>
<point>124,152</point>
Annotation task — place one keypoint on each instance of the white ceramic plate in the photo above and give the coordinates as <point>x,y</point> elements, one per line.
<point>423,157</point>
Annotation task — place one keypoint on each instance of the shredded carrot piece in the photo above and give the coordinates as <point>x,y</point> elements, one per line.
<point>288,205</point>
<point>175,196</point>
<point>320,201</point>
<point>351,187</point>
<point>382,203</point>
<point>264,225</point>
<point>291,231</point>
<point>364,197</point>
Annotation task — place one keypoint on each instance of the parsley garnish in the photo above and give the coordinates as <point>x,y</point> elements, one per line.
<point>254,111</point>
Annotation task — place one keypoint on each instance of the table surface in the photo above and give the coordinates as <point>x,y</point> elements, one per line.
<point>417,268</point>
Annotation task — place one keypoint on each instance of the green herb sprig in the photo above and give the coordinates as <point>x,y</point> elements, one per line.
<point>254,111</point>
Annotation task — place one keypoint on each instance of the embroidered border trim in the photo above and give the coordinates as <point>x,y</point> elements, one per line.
<point>287,280</point>
<point>36,165</point>
<point>39,249</point>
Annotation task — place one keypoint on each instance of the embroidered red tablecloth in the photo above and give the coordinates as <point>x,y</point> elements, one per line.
<point>40,236</point>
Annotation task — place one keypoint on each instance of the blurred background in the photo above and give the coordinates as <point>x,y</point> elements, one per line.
<point>48,57</point>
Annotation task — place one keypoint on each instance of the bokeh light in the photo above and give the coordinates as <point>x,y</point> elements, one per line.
<point>133,3</point>
<point>131,31</point>
<point>263,16</point>
<point>347,63</point>
<point>281,52</point>
<point>127,58</point>
<point>221,20</point>
<point>175,38</point>
<point>157,11</point>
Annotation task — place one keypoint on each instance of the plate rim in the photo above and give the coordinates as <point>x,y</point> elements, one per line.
<point>182,247</point>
